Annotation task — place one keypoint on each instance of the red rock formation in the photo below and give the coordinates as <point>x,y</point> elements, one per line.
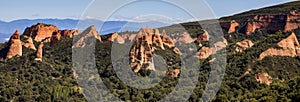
<point>205,52</point>
<point>116,38</point>
<point>55,38</point>
<point>132,37</point>
<point>293,21</point>
<point>143,51</point>
<point>88,33</point>
<point>67,33</point>
<point>263,78</point>
<point>203,37</point>
<point>15,46</point>
<point>40,31</point>
<point>230,26</point>
<point>185,38</point>
<point>28,43</point>
<point>288,47</point>
<point>158,40</point>
<point>168,41</point>
<point>286,22</point>
<point>39,52</point>
<point>125,37</point>
<point>243,45</point>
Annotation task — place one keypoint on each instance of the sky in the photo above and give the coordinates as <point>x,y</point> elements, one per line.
<point>143,10</point>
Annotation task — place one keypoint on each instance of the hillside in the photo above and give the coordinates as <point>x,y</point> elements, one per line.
<point>57,65</point>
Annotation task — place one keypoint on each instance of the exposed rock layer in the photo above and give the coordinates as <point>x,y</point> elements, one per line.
<point>286,22</point>
<point>15,46</point>
<point>83,38</point>
<point>287,47</point>
<point>243,45</point>
<point>143,51</point>
<point>263,78</point>
<point>28,43</point>
<point>230,26</point>
<point>39,52</point>
<point>40,31</point>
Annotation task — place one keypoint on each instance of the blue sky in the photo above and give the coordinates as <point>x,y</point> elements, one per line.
<point>74,9</point>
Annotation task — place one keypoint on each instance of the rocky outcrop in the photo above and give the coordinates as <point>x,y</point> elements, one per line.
<point>132,37</point>
<point>39,52</point>
<point>203,37</point>
<point>142,52</point>
<point>87,34</point>
<point>125,37</point>
<point>243,45</point>
<point>28,43</point>
<point>284,22</point>
<point>54,38</point>
<point>185,38</point>
<point>287,47</point>
<point>230,26</point>
<point>292,21</point>
<point>157,40</point>
<point>15,46</point>
<point>205,52</point>
<point>263,78</point>
<point>40,31</point>
<point>68,33</point>
<point>168,41</point>
<point>174,73</point>
<point>116,38</point>
<point>48,33</point>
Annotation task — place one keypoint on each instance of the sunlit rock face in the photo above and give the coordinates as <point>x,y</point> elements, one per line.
<point>263,78</point>
<point>283,22</point>
<point>243,45</point>
<point>15,46</point>
<point>39,52</point>
<point>86,34</point>
<point>40,31</point>
<point>146,42</point>
<point>230,26</point>
<point>287,47</point>
<point>29,43</point>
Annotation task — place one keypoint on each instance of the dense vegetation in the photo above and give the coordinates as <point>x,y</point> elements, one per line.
<point>23,79</point>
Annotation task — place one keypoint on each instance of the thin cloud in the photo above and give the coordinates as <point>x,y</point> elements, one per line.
<point>35,15</point>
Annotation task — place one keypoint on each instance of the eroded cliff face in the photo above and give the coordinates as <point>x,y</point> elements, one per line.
<point>142,52</point>
<point>68,33</point>
<point>86,34</point>
<point>230,26</point>
<point>243,45</point>
<point>287,47</point>
<point>15,46</point>
<point>47,33</point>
<point>203,37</point>
<point>186,38</point>
<point>117,38</point>
<point>40,31</point>
<point>284,22</point>
<point>28,43</point>
<point>55,38</point>
<point>39,52</point>
<point>204,52</point>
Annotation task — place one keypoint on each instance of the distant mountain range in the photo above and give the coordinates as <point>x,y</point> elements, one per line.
<point>7,28</point>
